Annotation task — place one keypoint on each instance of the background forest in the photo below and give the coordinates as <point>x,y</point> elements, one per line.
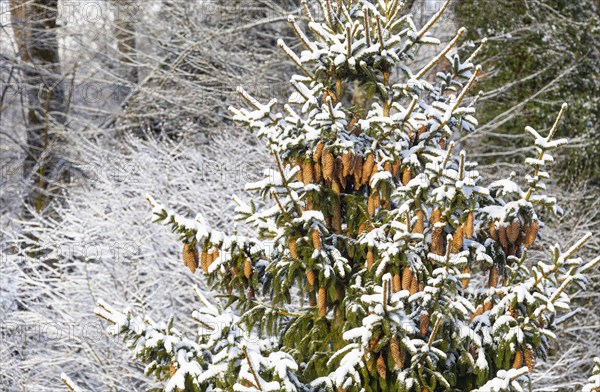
<point>103,102</point>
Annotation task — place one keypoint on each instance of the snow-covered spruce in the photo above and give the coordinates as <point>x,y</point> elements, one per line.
<point>382,261</point>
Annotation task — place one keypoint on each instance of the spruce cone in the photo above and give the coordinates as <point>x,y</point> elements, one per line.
<point>396,167</point>
<point>388,167</point>
<point>457,239</point>
<point>531,232</point>
<point>469,225</point>
<point>398,354</point>
<point>465,281</point>
<point>494,233</point>
<point>328,93</point>
<point>529,358</point>
<point>328,162</point>
<point>354,126</point>
<point>317,172</point>
<point>204,261</point>
<point>419,226</point>
<point>247,268</point>
<point>316,239</point>
<point>518,362</point>
<point>381,367</point>
<point>172,369</point>
<point>513,230</point>
<point>406,176</point>
<point>396,283</point>
<point>424,323</point>
<point>493,278</point>
<point>336,219</point>
<point>502,235</point>
<point>336,187</point>
<point>367,168</point>
<point>310,278</point>
<point>370,259</point>
<point>293,245</point>
<point>488,304</point>
<point>414,285</point>
<point>338,168</point>
<point>318,151</point>
<point>322,302</point>
<point>437,241</point>
<point>374,171</point>
<point>371,204</point>
<point>190,257</point>
<point>436,216</point>
<point>307,173</point>
<point>357,171</point>
<point>346,163</point>
<point>406,278</point>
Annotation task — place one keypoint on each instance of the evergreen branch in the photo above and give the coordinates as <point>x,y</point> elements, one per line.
<point>441,55</point>
<point>285,184</point>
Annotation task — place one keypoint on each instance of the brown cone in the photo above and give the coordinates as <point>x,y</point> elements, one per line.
<point>465,281</point>
<point>204,261</point>
<point>346,163</point>
<point>414,285</point>
<point>398,354</point>
<point>469,225</point>
<point>357,171</point>
<point>518,362</point>
<point>367,168</point>
<point>406,278</point>
<point>310,278</point>
<point>327,161</point>
<point>336,219</point>
<point>370,259</point>
<point>247,268</point>
<point>424,323</point>
<point>318,174</point>
<point>406,176</point>
<point>381,367</point>
<point>396,283</point>
<point>529,358</point>
<point>316,239</point>
<point>513,230</point>
<point>293,245</point>
<point>502,235</point>
<point>318,151</point>
<point>531,232</point>
<point>322,302</point>
<point>190,257</point>
<point>172,369</point>
<point>419,226</point>
<point>437,242</point>
<point>457,239</point>
<point>493,278</point>
<point>494,234</point>
<point>307,172</point>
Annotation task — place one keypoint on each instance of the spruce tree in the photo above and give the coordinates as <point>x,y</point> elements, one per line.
<point>382,260</point>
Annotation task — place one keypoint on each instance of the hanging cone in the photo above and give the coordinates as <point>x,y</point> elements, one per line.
<point>518,362</point>
<point>396,283</point>
<point>172,369</point>
<point>398,354</point>
<point>436,216</point>
<point>293,246</point>
<point>396,168</point>
<point>388,167</point>
<point>414,285</point>
<point>457,239</point>
<point>513,231</point>
<point>316,239</point>
<point>494,232</point>
<point>531,232</point>
<point>328,162</point>
<point>336,187</point>
<point>204,261</point>
<point>357,171</point>
<point>469,225</point>
<point>328,94</point>
<point>310,278</point>
<point>353,125</point>
<point>529,358</point>
<point>307,172</point>
<point>371,204</point>
<point>318,151</point>
<point>370,259</point>
<point>336,219</point>
<point>406,278</point>
<point>367,168</point>
<point>419,226</point>
<point>317,172</point>
<point>346,163</point>
<point>322,302</point>
<point>437,241</point>
<point>424,323</point>
<point>406,176</point>
<point>465,281</point>
<point>493,278</point>
<point>502,235</point>
<point>381,367</point>
<point>338,169</point>
<point>247,268</point>
<point>190,257</point>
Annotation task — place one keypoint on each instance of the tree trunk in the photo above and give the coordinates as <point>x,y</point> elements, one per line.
<point>34,26</point>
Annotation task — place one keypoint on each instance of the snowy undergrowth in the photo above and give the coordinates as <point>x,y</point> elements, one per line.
<point>105,247</point>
